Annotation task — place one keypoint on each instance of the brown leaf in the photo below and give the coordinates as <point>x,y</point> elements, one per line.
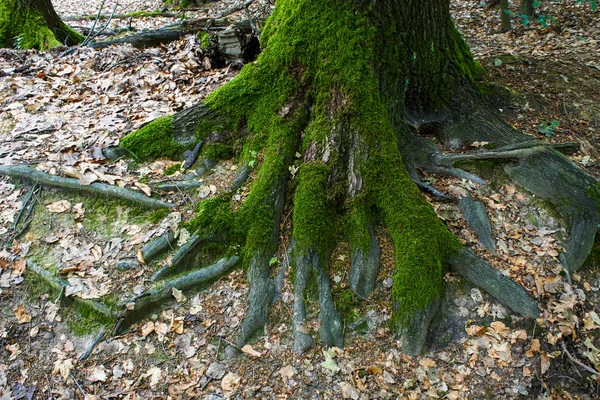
<point>248,349</point>
<point>59,206</point>
<point>21,314</point>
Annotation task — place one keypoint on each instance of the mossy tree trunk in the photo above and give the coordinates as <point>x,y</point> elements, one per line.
<point>29,24</point>
<point>332,115</point>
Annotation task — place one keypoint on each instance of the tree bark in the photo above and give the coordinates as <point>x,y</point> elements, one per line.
<point>27,24</point>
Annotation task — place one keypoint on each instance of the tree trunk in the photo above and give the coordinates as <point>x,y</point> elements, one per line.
<point>333,112</point>
<point>527,9</point>
<point>27,24</point>
<point>505,15</point>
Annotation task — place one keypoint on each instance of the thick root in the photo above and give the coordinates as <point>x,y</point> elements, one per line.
<point>302,339</point>
<point>503,289</point>
<point>365,253</point>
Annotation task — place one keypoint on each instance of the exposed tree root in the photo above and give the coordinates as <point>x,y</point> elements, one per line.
<point>364,264</point>
<point>158,246</point>
<point>331,138</point>
<point>60,285</point>
<point>151,299</point>
<point>488,278</point>
<point>182,258</point>
<point>478,219</point>
<point>25,172</point>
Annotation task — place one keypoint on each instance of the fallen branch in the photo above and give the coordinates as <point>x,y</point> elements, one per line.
<point>136,14</point>
<point>510,152</point>
<point>170,186</point>
<point>26,172</point>
<point>577,362</point>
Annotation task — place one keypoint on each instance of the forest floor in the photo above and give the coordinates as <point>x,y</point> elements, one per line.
<point>59,111</point>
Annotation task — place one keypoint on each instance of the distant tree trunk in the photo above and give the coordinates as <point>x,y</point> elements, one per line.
<point>28,24</point>
<point>527,8</point>
<point>505,15</point>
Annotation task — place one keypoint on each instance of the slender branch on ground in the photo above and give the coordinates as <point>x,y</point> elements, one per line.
<point>577,362</point>
<point>171,186</point>
<point>26,172</point>
<point>92,346</point>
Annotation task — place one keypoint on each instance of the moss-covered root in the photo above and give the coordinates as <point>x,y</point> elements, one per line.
<point>263,210</point>
<point>170,135</point>
<point>313,239</point>
<point>331,329</point>
<point>364,251</point>
<point>303,267</point>
<point>421,243</point>
<point>33,25</point>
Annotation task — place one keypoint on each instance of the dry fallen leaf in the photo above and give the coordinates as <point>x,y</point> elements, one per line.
<point>147,328</point>
<point>98,374</point>
<point>144,188</point>
<point>59,206</point>
<point>248,349</point>
<point>63,367</point>
<point>179,296</point>
<point>545,362</point>
<point>230,382</point>
<point>427,363</point>
<point>21,314</point>
<point>287,372</point>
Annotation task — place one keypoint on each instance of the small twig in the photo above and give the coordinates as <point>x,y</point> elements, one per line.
<point>209,380</point>
<point>577,362</point>
<point>230,343</point>
<point>90,349</point>
<point>94,35</point>
<point>87,39</point>
<point>78,385</point>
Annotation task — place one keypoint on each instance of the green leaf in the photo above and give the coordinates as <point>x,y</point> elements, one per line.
<point>329,362</point>
<point>272,261</point>
<point>497,62</point>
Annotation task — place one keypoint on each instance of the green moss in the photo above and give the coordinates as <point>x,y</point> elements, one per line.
<point>26,28</point>
<point>204,39</point>
<point>153,140</point>
<point>156,216</point>
<point>217,151</point>
<point>172,169</point>
<point>358,220</point>
<point>214,216</point>
<point>347,304</point>
<point>314,226</point>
